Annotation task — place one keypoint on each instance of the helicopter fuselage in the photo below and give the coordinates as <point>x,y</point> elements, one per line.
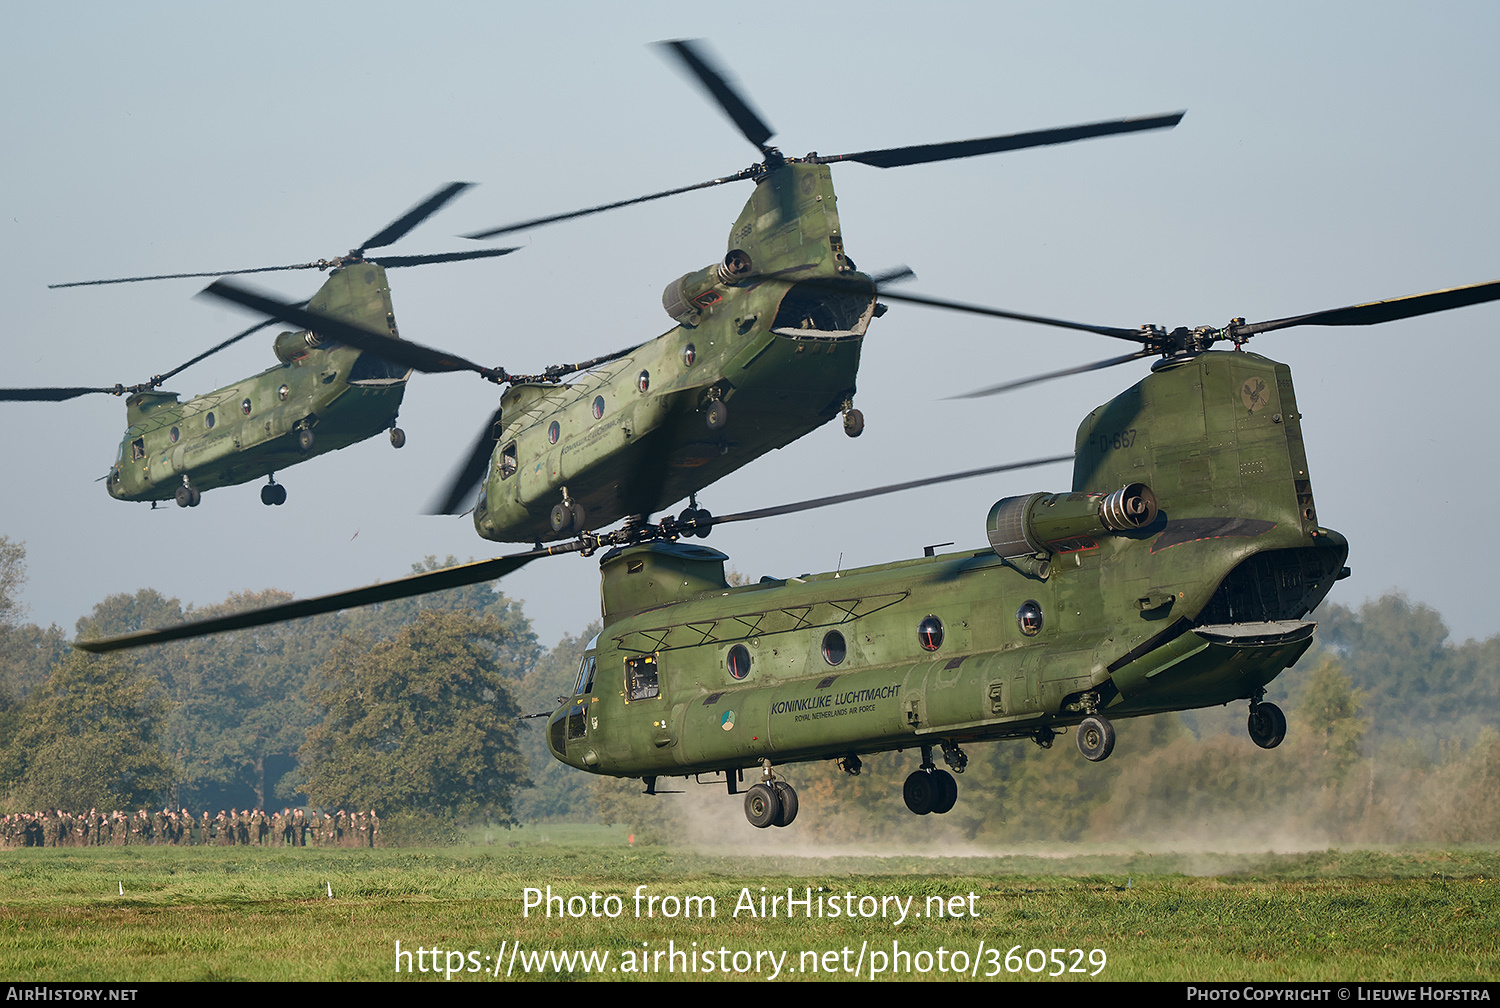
<point>766,350</point>
<point>1196,600</point>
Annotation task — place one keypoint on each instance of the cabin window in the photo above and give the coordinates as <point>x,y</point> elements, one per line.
<point>282,393</point>
<point>834,648</point>
<point>553,432</point>
<point>137,449</point>
<point>1029,618</point>
<point>245,407</point>
<point>174,434</point>
<point>578,721</point>
<point>598,407</point>
<point>208,420</point>
<point>738,661</point>
<point>930,633</point>
<point>689,354</point>
<point>640,678</point>
<point>508,460</point>
<point>644,381</point>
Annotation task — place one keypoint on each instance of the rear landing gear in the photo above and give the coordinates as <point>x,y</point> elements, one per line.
<point>1267,725</point>
<point>398,437</point>
<point>854,420</point>
<point>273,493</point>
<point>1096,738</point>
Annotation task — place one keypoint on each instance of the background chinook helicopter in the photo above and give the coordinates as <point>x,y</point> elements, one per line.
<point>1175,574</point>
<point>321,397</point>
<point>766,349</point>
<point>1309,174</point>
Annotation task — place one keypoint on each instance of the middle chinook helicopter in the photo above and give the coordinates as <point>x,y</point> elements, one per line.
<point>321,395</point>
<point>765,349</point>
<point>1176,573</point>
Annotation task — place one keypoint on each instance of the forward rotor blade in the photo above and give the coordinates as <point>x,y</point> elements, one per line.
<point>475,572</point>
<point>398,351</point>
<point>695,59</point>
<point>468,475</point>
<point>896,157</point>
<point>54,394</point>
<point>1129,334</point>
<point>819,502</point>
<point>1373,312</point>
<point>552,219</point>
<point>231,341</point>
<point>559,370</point>
<point>391,262</point>
<point>401,226</point>
<point>1036,379</point>
<point>181,276</point>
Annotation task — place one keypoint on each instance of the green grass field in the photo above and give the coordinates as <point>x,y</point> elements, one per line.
<point>266,914</point>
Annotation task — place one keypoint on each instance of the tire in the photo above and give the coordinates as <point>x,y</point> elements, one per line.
<point>398,437</point>
<point>268,494</point>
<point>183,497</point>
<point>762,806</point>
<point>280,498</point>
<point>945,793</point>
<point>1267,725</point>
<point>919,792</point>
<point>1096,738</point>
<point>716,415</point>
<point>788,798</point>
<point>854,423</point>
<point>305,439</point>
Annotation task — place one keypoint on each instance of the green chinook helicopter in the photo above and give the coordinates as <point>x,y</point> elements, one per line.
<point>765,349</point>
<point>321,396</point>
<point>1176,572</point>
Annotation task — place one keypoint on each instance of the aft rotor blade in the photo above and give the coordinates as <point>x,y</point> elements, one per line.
<point>695,59</point>
<point>896,157</point>
<point>401,226</point>
<point>1129,334</point>
<point>553,218</point>
<point>475,572</point>
<point>468,475</point>
<point>181,276</point>
<point>1374,312</point>
<point>844,498</point>
<point>443,257</point>
<point>398,351</point>
<point>1065,372</point>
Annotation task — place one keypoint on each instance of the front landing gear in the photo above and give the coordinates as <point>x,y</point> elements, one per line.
<point>771,802</point>
<point>187,495</point>
<point>272,493</point>
<point>569,515</point>
<point>930,790</point>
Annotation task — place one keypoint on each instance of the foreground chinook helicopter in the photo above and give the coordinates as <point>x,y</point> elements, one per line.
<point>1175,573</point>
<point>765,350</point>
<point>320,397</point>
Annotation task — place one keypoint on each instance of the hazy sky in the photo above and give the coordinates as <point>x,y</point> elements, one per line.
<point>1331,154</point>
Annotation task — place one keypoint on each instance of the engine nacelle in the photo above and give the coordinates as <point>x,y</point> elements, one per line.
<point>691,294</point>
<point>1041,524</point>
<point>293,346</point>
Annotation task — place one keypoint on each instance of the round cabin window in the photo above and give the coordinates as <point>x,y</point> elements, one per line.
<point>930,633</point>
<point>552,433</point>
<point>738,661</point>
<point>689,354</point>
<point>1029,618</point>
<point>644,381</point>
<point>598,407</point>
<point>834,648</point>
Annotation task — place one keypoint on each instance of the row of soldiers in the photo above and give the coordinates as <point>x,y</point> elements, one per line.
<point>287,828</point>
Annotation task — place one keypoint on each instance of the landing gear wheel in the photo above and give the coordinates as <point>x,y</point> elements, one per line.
<point>762,806</point>
<point>280,497</point>
<point>398,437</point>
<point>1096,738</point>
<point>854,423</point>
<point>788,803</point>
<point>700,515</point>
<point>716,415</point>
<point>186,496</point>
<point>921,792</point>
<point>268,494</point>
<point>305,439</point>
<point>567,517</point>
<point>1267,725</point>
<point>945,792</point>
